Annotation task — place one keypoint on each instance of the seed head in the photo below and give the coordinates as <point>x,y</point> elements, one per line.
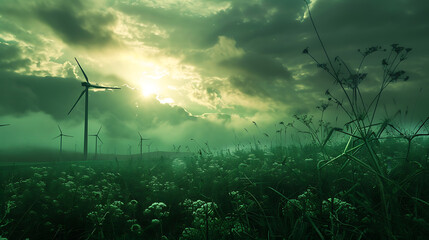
<point>327,92</point>
<point>305,51</point>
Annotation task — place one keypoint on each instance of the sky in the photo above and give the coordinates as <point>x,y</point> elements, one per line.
<point>193,72</point>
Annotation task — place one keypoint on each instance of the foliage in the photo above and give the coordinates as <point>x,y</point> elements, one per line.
<point>250,196</point>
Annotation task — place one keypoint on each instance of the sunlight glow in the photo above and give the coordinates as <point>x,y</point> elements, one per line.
<point>151,81</point>
<point>166,100</point>
<point>149,88</point>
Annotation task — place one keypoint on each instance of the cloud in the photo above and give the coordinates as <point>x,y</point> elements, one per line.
<point>85,24</point>
<point>257,65</point>
<point>11,57</point>
<point>78,26</point>
<point>187,7</point>
<point>25,94</point>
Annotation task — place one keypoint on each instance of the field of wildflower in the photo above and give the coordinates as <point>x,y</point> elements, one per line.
<point>251,194</point>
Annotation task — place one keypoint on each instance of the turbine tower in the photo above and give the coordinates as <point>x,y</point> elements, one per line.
<point>61,138</point>
<point>96,141</point>
<point>141,145</point>
<point>87,86</point>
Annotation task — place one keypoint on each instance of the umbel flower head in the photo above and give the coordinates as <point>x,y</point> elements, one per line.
<point>135,228</point>
<point>157,210</point>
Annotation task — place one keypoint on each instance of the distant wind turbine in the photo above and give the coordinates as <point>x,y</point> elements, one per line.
<point>141,145</point>
<point>61,138</point>
<point>87,86</point>
<point>97,137</point>
<point>129,151</point>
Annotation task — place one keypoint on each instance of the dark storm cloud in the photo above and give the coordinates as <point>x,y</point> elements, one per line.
<point>77,23</point>
<point>268,28</point>
<point>345,27</point>
<point>23,94</point>
<point>77,29</point>
<point>257,65</point>
<point>11,57</point>
<point>376,20</point>
<point>257,75</point>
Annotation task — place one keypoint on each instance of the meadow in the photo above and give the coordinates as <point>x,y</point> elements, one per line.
<point>230,195</point>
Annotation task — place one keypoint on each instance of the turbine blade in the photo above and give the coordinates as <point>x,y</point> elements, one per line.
<point>59,128</point>
<point>97,86</point>
<point>99,131</point>
<point>140,135</point>
<point>4,125</point>
<point>56,137</point>
<point>76,101</point>
<point>67,135</point>
<point>99,139</point>
<point>82,71</point>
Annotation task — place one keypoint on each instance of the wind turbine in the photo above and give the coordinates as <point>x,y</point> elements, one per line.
<point>129,151</point>
<point>87,86</point>
<point>61,138</point>
<point>141,145</point>
<point>96,141</point>
<point>148,147</point>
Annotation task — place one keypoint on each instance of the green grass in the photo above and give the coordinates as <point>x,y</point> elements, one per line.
<point>248,195</point>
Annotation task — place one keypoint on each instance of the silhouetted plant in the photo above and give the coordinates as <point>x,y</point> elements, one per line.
<point>362,130</point>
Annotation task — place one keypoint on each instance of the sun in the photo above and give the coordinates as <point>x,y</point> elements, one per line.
<point>149,89</point>
<point>151,81</point>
